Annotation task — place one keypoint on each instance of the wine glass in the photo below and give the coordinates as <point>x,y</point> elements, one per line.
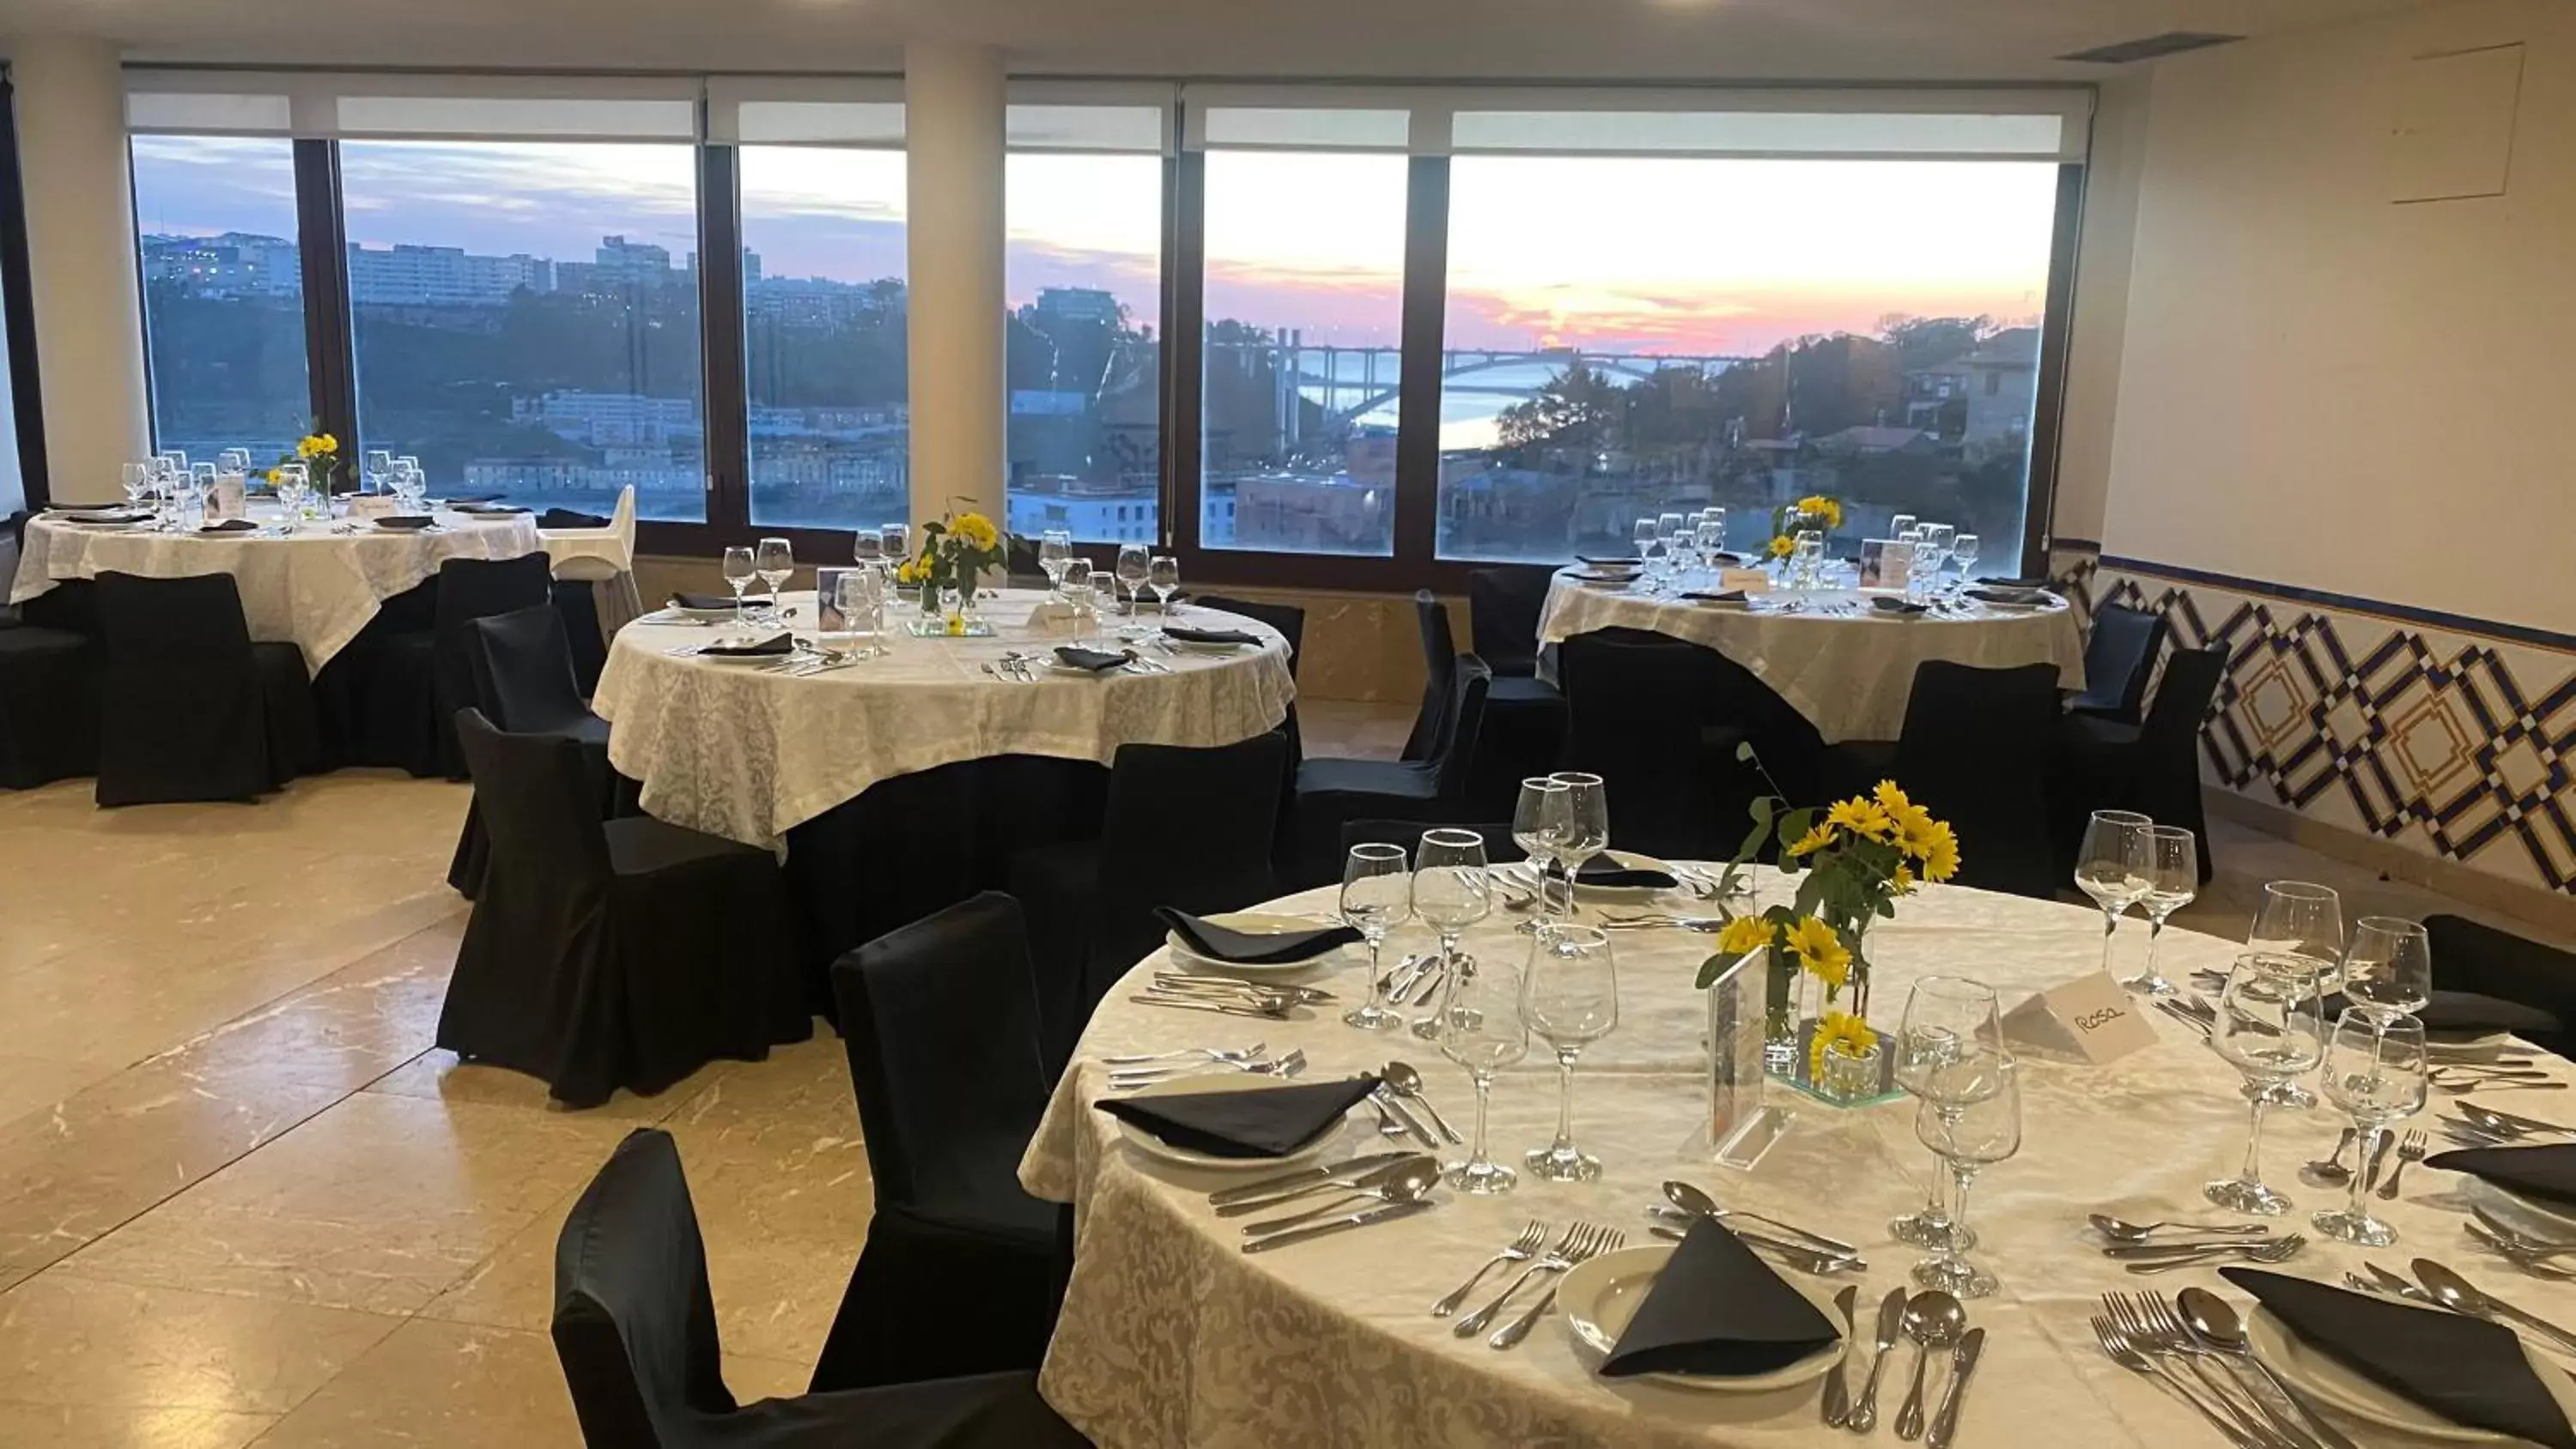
<point>1649,551</point>
<point>201,484</point>
<point>1968,1139</point>
<point>1949,1049</point>
<point>138,483</point>
<point>2269,1029</point>
<point>775,560</point>
<point>2388,973</point>
<point>894,540</point>
<point>1377,894</point>
<point>1538,828</point>
<point>2170,860</point>
<point>1481,1029</point>
<point>1079,593</point>
<point>1669,533</point>
<point>867,550</point>
<point>1570,999</point>
<point>2300,918</point>
<point>2111,866</point>
<point>1163,576</point>
<point>1587,819</point>
<point>2376,1070</point>
<point>1963,552</point>
<point>1897,526</point>
<point>862,599</point>
<point>1452,890</point>
<point>739,571</point>
<point>1135,565</point>
<point>1055,550</point>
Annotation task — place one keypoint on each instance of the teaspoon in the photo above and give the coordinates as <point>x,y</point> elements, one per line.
<point>2127,1232</point>
<point>2215,1323</point>
<point>2460,1296</point>
<point>1407,1083</point>
<point>1933,1319</point>
<point>1690,1199</point>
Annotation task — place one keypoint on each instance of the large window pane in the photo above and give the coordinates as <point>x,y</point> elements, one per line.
<point>1631,336</point>
<point>1083,272</point>
<point>223,293</point>
<point>823,336</point>
<point>1305,323</point>
<point>527,318</point>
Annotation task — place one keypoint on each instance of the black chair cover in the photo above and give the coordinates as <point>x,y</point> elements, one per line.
<point>1290,621</point>
<point>523,683</point>
<point>191,708</point>
<point>1499,845</point>
<point>1638,706</point>
<point>2118,661</point>
<point>1973,753</point>
<point>2469,956</point>
<point>1439,676</point>
<point>962,1271</point>
<point>577,603</point>
<point>2153,768</point>
<point>49,688</point>
<point>1186,828</point>
<point>471,589</point>
<point>635,1330</point>
<point>625,954</point>
<point>1503,606</point>
<point>1331,790</point>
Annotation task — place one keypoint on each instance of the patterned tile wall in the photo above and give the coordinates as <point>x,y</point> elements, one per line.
<point>2452,743</point>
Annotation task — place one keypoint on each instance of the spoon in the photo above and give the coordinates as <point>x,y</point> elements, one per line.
<point>1691,1200</point>
<point>1933,1319</point>
<point>2501,1124</point>
<point>2128,1232</point>
<point>2215,1323</point>
<point>1408,1181</point>
<point>1407,1084</point>
<point>2457,1294</point>
<point>2329,1168</point>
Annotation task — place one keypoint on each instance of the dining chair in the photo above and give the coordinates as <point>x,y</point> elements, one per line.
<point>1439,676</point>
<point>1331,790</point>
<point>2152,767</point>
<point>962,1271</point>
<point>1525,715</point>
<point>1503,607</point>
<point>1290,621</point>
<point>523,683</point>
<point>607,954</point>
<point>1191,829</point>
<point>1500,848</point>
<point>2472,956</point>
<point>189,707</point>
<point>2118,661</point>
<point>635,1330</point>
<point>1638,715</point>
<point>417,679</point>
<point>49,700</point>
<point>1974,752</point>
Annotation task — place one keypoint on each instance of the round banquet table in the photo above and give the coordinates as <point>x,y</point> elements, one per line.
<point>1847,673</point>
<point>1171,1336</point>
<point>314,586</point>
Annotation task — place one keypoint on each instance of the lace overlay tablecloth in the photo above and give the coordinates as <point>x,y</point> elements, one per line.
<point>1171,1336</point>
<point>736,752</point>
<point>1850,677</point>
<point>315,588</point>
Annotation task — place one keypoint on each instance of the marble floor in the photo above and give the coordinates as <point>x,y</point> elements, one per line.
<point>243,1201</point>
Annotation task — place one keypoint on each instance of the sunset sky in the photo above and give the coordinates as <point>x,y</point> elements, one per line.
<point>1666,255</point>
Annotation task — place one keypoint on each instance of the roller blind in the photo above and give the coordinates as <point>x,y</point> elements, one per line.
<point>323,105</point>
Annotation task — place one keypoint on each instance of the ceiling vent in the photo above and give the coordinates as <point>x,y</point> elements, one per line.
<point>2172,42</point>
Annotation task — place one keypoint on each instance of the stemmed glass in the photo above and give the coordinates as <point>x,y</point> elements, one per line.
<point>775,560</point>
<point>1163,576</point>
<point>894,540</point>
<point>1481,1029</point>
<point>2269,1029</point>
<point>2170,859</point>
<point>380,466</point>
<point>738,574</point>
<point>1055,551</point>
<point>2376,1070</point>
<point>1968,1139</point>
<point>1103,586</point>
<point>1078,592</point>
<point>1963,552</point>
<point>1586,832</point>
<point>2111,867</point>
<point>862,601</point>
<point>1900,523</point>
<point>138,483</point>
<point>1649,550</point>
<point>1949,1055</point>
<point>1538,828</point>
<point>201,485</point>
<point>1671,532</point>
<point>2298,918</point>
<point>1377,894</point>
<point>2388,973</point>
<point>1135,565</point>
<point>1452,890</point>
<point>1570,998</point>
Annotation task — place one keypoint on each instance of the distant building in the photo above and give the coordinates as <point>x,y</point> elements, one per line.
<point>1116,514</point>
<point>1986,393</point>
<point>404,275</point>
<point>608,419</point>
<point>1869,441</point>
<point>232,264</point>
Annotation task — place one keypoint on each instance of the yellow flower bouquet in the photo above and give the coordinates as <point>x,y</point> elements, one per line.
<point>956,551</point>
<point>1817,513</point>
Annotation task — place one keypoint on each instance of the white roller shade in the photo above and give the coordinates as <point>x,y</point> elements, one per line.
<point>324,105</point>
<point>797,111</point>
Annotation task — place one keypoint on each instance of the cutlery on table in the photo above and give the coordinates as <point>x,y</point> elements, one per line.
<point>2127,1355</point>
<point>2157,1330</point>
<point>1963,1362</point>
<point>2527,1242</point>
<point>1437,973</point>
<point>1214,1054</point>
<point>1797,1255</point>
<point>1933,1319</point>
<point>2410,1150</point>
<point>2398,1284</point>
<point>1690,1199</point>
<point>1572,1246</point>
<point>2214,1324</point>
<point>1388,1102</point>
<point>1293,1064</point>
<point>2378,1159</point>
<point>2460,1296</point>
<point>1609,1241</point>
<point>1837,1399</point>
<point>1276,1187</point>
<point>1382,1213</point>
<point>2535,1261</point>
<point>1891,1323</point>
<point>2121,1231</point>
<point>2276,1250</point>
<point>1184,1002</point>
<point>2507,1123</point>
<point>1223,986</point>
<point>1407,1181</point>
<point>1387,1126</point>
<point>1405,1082</point>
<point>1401,971</point>
<point>2330,1169</point>
<point>1518,1250</point>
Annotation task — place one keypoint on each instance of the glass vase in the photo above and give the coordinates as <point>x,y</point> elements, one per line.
<point>1851,1076</point>
<point>1783,1008</point>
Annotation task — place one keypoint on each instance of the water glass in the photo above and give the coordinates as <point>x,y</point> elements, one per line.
<point>1949,1052</point>
<point>1055,551</point>
<point>1078,593</point>
<point>2299,918</point>
<point>862,602</point>
<point>1538,828</point>
<point>739,571</point>
<point>1569,999</point>
<point>1650,552</point>
<point>2111,867</point>
<point>1968,1139</point>
<point>1452,889</point>
<point>1377,895</point>
<point>1899,525</point>
<point>1135,565</point>
<point>775,559</point>
<point>1104,590</point>
<point>867,550</point>
<point>2378,1072</point>
<point>138,483</point>
<point>2388,973</point>
<point>2170,859</point>
<point>2269,1029</point>
<point>1480,1028</point>
<point>1587,824</point>
<point>1963,552</point>
<point>894,540</point>
<point>1163,576</point>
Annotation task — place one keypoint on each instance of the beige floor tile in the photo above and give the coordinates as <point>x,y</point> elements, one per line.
<point>379,1203</point>
<point>451,1385</point>
<point>65,1339</point>
<point>39,1083</point>
<point>753,1378</point>
<point>121,1426</point>
<point>437,1075</point>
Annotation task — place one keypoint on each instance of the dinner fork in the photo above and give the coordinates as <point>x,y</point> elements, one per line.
<point>1518,1250</point>
<point>1609,1241</point>
<point>1214,1054</point>
<point>2410,1149</point>
<point>1558,1259</point>
<point>2126,1354</point>
<point>1270,1012</point>
<point>2155,1328</point>
<point>2276,1250</point>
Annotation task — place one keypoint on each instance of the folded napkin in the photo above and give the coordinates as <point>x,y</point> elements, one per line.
<point>2467,1013</point>
<point>1210,636</point>
<point>1254,948</point>
<point>569,518</point>
<point>106,515</point>
<point>1251,1122</point>
<point>456,499</point>
<point>703,603</point>
<point>774,644</point>
<point>1092,659</point>
<point>1603,870</point>
<point>1623,561</point>
<point>2544,1172</point>
<point>1731,596</point>
<point>229,525</point>
<point>2009,596</point>
<point>1720,1311</point>
<point>2466,1370</point>
<point>1905,607</point>
<point>405,522</point>
<point>1724,557</point>
<point>478,506</point>
<point>2039,582</point>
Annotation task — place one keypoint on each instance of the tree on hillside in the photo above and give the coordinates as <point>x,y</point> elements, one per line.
<point>1922,342</point>
<point>1578,408</point>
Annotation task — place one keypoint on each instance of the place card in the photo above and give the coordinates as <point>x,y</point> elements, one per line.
<point>1885,562</point>
<point>228,499</point>
<point>1751,581</point>
<point>2090,1019</point>
<point>373,505</point>
<point>828,617</point>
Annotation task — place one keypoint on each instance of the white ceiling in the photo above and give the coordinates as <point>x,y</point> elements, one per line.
<point>1501,39</point>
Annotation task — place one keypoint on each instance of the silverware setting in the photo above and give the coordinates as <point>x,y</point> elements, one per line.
<point>1836,1403</point>
<point>2410,1150</point>
<point>1510,1334</point>
<point>1213,1054</point>
<point>1795,1255</point>
<point>1661,922</point>
<point>2191,1245</point>
<point>1579,1242</point>
<point>1934,1320</point>
<point>2531,1254</point>
<point>1689,1201</point>
<point>1391,1106</point>
<point>2330,1169</point>
<point>1519,1250</point>
<point>2273,1250</point>
<point>2457,1294</point>
<point>1410,1180</point>
<point>1230,986</point>
<point>1275,1009</point>
<point>1359,1175</point>
<point>1891,1325</point>
<point>1385,1212</point>
<point>1278,1186</point>
<point>2144,1334</point>
<point>1129,1080</point>
<point>1401,1079</point>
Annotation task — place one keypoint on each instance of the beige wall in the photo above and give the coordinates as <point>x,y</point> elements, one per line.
<point>2095,332</point>
<point>2322,388</point>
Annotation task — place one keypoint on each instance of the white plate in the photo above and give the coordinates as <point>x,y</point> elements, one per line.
<point>1076,671</point>
<point>1155,1147</point>
<point>1627,893</point>
<point>708,616</point>
<point>1258,922</point>
<point>2484,1048</point>
<point>1194,646</point>
<point>2317,1375</point>
<point>2522,1212</point>
<point>1601,1295</point>
<point>745,658</point>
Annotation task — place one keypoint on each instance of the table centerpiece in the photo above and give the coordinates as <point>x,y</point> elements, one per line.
<point>956,551</point>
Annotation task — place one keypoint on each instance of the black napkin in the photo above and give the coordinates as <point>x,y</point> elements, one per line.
<point>774,644</point>
<point>1722,556</point>
<point>1731,596</point>
<point>1250,1122</point>
<point>453,499</point>
<point>2547,1171</point>
<point>405,522</point>
<point>1580,576</point>
<point>478,506</point>
<point>569,518</point>
<point>2009,595</point>
<point>1906,607</point>
<point>2040,582</point>
<point>1092,659</point>
<point>1623,561</point>
<point>1210,636</point>
<point>2468,1013</point>
<point>106,515</point>
<point>229,525</point>
<point>1254,948</point>
<point>703,603</point>
<point>2464,1369</point>
<point>1717,1310</point>
<point>1603,870</point>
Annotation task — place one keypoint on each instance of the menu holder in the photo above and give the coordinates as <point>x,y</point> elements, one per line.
<point>1885,563</point>
<point>2089,1019</point>
<point>828,617</point>
<point>1738,1126</point>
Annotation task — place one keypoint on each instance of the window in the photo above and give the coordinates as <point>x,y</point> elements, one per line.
<point>823,336</point>
<point>223,293</point>
<point>1304,303</point>
<point>1083,273</point>
<point>526,318</point>
<point>1629,335</point>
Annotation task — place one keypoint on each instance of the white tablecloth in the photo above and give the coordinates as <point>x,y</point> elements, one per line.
<point>1171,1336</point>
<point>314,589</point>
<point>737,752</point>
<point>1850,677</point>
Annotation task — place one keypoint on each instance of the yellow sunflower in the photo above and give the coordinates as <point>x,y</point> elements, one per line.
<point>1745,934</point>
<point>1891,799</point>
<point>1940,855</point>
<point>1861,817</point>
<point>1783,545</point>
<point>1821,952</point>
<point>977,531</point>
<point>1814,840</point>
<point>1838,1031</point>
<point>1904,879</point>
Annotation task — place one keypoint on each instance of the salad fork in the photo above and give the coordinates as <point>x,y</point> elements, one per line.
<point>1609,1240</point>
<point>1214,1054</point>
<point>1519,1250</point>
<point>2128,1356</point>
<point>2410,1150</point>
<point>1572,1247</point>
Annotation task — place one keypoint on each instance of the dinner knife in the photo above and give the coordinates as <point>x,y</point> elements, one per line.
<point>1322,1229</point>
<point>2528,1124</point>
<point>1303,1179</point>
<point>1797,1255</point>
<point>1963,1362</point>
<point>1403,1113</point>
<point>1891,1321</point>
